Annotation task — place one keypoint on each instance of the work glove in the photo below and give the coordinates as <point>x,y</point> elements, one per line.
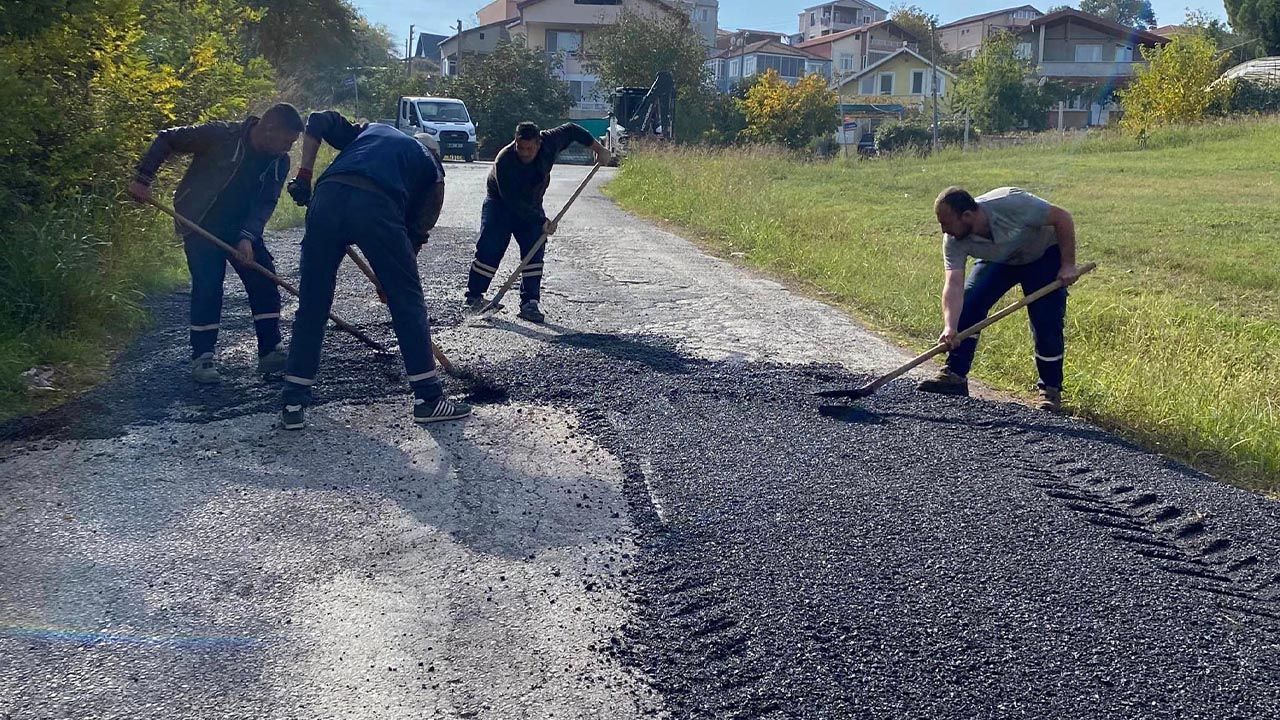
<point>300,187</point>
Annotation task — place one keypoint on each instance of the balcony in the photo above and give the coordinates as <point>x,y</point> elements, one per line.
<point>1090,69</point>
<point>887,44</point>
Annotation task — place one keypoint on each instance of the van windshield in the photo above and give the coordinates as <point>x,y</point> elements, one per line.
<point>443,112</point>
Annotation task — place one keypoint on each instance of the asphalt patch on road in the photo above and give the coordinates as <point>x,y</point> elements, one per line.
<point>905,555</point>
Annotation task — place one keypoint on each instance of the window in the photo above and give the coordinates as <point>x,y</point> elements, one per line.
<point>1124,53</point>
<point>733,69</point>
<point>787,67</point>
<point>868,86</point>
<point>703,15</point>
<point>443,112</point>
<point>1088,53</point>
<point>886,84</point>
<point>917,82</point>
<point>815,68</point>
<point>942,84</point>
<point>481,36</point>
<point>749,66</point>
<point>813,19</point>
<point>567,41</point>
<point>848,62</point>
<point>1023,51</point>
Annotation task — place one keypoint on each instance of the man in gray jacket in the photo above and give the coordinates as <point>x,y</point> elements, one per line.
<point>230,189</point>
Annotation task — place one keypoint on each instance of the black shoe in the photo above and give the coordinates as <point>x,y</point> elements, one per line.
<point>474,302</point>
<point>529,311</point>
<point>946,383</point>
<point>443,409</point>
<point>293,417</point>
<point>273,362</point>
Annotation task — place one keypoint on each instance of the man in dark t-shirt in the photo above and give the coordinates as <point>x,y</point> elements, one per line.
<point>513,206</point>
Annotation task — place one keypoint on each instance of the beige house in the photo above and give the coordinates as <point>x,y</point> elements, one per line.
<point>966,35</point>
<point>567,28</point>
<point>852,50</point>
<point>903,78</point>
<point>1093,53</point>
<point>837,16</point>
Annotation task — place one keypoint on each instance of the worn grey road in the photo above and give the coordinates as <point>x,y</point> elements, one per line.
<point>647,515</point>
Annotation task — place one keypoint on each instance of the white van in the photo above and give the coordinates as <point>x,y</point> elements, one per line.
<point>444,119</point>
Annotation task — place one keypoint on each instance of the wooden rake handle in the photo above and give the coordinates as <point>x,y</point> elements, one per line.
<point>528,258</point>
<point>973,330</point>
<point>259,269</point>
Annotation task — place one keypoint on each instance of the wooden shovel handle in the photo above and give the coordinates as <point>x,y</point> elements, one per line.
<point>974,329</point>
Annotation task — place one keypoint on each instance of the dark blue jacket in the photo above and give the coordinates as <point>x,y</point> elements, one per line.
<point>217,148</point>
<point>397,164</point>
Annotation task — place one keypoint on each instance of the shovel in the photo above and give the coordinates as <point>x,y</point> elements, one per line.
<point>496,302</point>
<point>871,387</point>
<point>270,275</point>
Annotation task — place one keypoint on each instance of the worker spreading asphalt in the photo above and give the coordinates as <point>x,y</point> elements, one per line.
<point>647,514</point>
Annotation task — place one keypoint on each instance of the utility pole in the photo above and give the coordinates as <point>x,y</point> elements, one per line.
<point>933,65</point>
<point>408,53</point>
<point>458,70</point>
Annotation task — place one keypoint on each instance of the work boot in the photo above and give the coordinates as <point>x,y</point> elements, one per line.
<point>529,311</point>
<point>474,302</point>
<point>427,411</point>
<point>203,371</point>
<point>946,383</point>
<point>273,362</point>
<point>1050,399</point>
<point>293,417</point>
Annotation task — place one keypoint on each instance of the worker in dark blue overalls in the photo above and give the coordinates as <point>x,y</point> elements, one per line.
<point>230,189</point>
<point>513,206</point>
<point>383,192</point>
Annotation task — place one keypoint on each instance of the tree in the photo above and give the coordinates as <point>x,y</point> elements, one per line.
<point>510,85</point>
<point>921,24</point>
<point>632,51</point>
<point>1222,36</point>
<point>993,87</point>
<point>1056,8</point>
<point>1131,13</point>
<point>789,115</point>
<point>1257,19</point>
<point>1176,86</point>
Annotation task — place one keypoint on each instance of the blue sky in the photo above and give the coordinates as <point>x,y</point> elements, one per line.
<point>440,16</point>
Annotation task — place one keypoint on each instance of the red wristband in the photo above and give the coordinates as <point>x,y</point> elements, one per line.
<point>304,173</point>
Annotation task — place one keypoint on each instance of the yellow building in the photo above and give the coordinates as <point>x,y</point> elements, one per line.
<point>902,78</point>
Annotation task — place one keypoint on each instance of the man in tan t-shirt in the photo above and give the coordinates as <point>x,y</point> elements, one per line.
<point>1017,239</point>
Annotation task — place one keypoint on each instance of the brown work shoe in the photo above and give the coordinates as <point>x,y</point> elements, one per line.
<point>1050,400</point>
<point>946,383</point>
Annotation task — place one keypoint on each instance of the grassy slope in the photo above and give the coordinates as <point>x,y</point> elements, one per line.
<point>1175,340</point>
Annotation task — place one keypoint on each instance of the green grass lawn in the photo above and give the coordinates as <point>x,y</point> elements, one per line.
<point>1174,341</point>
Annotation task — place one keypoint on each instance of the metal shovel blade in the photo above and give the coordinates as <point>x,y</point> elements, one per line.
<point>859,392</point>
